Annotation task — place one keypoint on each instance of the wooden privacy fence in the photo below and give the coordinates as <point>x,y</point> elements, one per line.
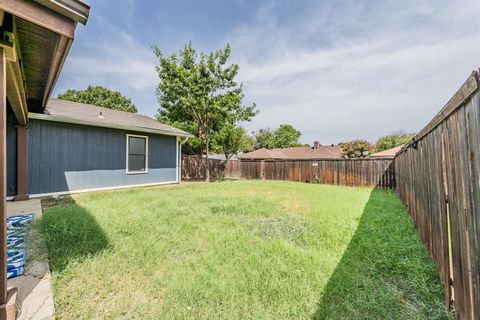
<point>437,176</point>
<point>352,172</point>
<point>438,179</point>
<point>194,168</point>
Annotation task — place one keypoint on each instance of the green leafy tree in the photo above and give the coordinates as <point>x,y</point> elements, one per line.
<point>100,96</point>
<point>359,148</point>
<point>232,139</point>
<point>248,143</point>
<point>264,138</point>
<point>195,145</point>
<point>198,93</point>
<point>285,136</point>
<point>393,140</point>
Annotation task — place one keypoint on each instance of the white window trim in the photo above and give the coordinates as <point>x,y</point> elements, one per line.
<point>146,154</point>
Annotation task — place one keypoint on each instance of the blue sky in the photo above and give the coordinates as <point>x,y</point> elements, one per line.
<point>336,70</point>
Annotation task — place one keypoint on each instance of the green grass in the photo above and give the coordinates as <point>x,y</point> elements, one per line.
<point>230,250</point>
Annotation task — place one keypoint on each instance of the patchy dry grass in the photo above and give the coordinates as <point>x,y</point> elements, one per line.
<point>230,250</point>
<point>289,228</point>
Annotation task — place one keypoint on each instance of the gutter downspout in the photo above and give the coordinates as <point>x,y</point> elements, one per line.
<point>182,141</point>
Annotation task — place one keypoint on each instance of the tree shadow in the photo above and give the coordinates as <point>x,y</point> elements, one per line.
<point>71,233</point>
<point>385,272</point>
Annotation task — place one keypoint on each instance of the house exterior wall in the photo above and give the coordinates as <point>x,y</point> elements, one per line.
<point>66,157</point>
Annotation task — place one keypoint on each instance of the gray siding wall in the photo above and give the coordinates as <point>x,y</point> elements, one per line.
<point>68,157</point>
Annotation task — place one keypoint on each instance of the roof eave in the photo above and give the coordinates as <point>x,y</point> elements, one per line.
<point>381,157</point>
<point>74,9</point>
<point>46,117</point>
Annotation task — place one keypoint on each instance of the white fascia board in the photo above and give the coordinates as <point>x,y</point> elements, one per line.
<point>74,9</point>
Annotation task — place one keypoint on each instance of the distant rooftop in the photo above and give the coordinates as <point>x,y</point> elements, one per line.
<point>318,152</point>
<point>87,114</point>
<point>389,153</point>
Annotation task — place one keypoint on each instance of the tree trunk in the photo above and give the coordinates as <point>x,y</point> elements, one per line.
<point>207,166</point>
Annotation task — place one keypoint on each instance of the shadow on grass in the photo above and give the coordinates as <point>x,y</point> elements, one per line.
<point>71,233</point>
<point>385,272</point>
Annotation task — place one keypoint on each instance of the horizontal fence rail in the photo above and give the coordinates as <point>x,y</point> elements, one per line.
<point>351,172</point>
<point>438,179</point>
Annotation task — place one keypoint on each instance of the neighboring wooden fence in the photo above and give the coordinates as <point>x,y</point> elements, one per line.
<point>194,168</point>
<point>351,172</point>
<point>438,179</point>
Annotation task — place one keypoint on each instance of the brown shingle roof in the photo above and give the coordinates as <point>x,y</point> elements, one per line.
<point>389,153</point>
<point>74,112</point>
<point>323,152</point>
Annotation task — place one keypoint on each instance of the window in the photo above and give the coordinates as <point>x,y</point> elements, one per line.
<point>137,154</point>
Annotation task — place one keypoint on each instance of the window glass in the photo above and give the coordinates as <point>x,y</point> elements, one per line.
<point>137,154</point>
<point>136,162</point>
<point>136,145</point>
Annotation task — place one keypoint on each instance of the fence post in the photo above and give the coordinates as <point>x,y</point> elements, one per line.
<point>262,169</point>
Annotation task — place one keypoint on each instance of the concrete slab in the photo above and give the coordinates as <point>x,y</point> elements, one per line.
<point>35,296</point>
<point>22,207</point>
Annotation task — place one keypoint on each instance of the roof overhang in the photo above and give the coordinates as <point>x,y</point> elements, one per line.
<point>46,117</point>
<point>74,9</point>
<point>40,15</point>
<point>38,34</point>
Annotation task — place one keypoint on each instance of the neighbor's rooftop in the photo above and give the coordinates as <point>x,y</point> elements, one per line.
<point>86,114</point>
<point>389,153</point>
<point>320,152</point>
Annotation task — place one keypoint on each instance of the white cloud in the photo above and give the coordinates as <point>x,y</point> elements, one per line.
<point>121,60</point>
<point>336,70</point>
<point>116,60</point>
<point>378,72</point>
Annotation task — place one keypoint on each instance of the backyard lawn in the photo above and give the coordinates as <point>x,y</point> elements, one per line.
<point>245,249</point>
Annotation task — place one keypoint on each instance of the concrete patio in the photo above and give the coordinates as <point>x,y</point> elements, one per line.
<point>35,297</point>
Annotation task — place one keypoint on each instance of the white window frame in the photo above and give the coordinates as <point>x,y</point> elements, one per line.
<point>146,153</point>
